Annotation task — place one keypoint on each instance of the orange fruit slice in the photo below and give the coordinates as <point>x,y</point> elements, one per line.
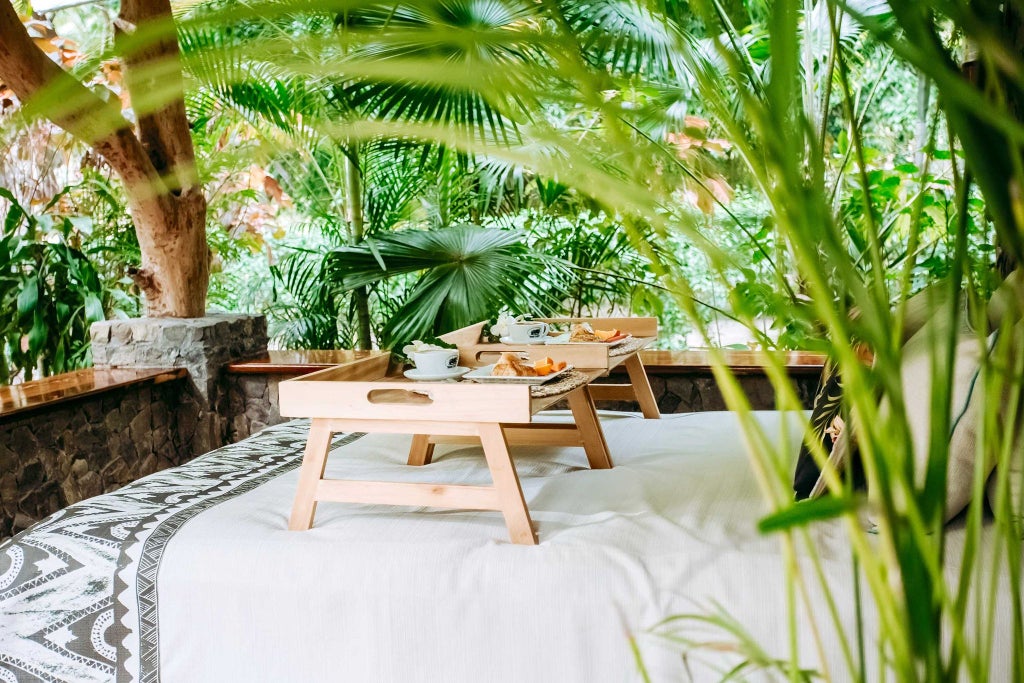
<point>605,335</point>
<point>545,366</point>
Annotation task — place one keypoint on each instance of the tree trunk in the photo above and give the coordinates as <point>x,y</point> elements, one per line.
<point>157,166</point>
<point>175,257</point>
<point>354,208</point>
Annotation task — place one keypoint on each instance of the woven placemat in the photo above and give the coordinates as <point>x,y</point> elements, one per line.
<point>567,382</point>
<point>626,347</point>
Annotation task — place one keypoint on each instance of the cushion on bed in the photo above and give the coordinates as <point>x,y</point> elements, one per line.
<point>830,426</point>
<point>828,404</point>
<point>923,354</point>
<point>1014,464</point>
<point>1004,310</point>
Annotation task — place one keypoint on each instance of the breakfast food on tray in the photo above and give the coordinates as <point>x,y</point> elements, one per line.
<point>511,365</point>
<point>547,365</point>
<point>583,332</point>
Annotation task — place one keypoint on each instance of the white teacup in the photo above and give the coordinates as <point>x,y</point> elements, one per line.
<point>436,361</point>
<point>527,331</point>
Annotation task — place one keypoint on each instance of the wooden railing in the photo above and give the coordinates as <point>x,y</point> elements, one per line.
<point>31,396</point>
<point>656,362</point>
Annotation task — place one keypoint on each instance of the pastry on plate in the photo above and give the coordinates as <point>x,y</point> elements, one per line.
<point>511,365</point>
<point>583,332</point>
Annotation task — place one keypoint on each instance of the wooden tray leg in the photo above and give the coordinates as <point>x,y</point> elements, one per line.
<point>585,414</point>
<point>312,471</point>
<point>422,451</point>
<point>642,387</point>
<point>506,481</point>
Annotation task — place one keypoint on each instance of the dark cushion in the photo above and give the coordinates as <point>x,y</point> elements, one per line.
<point>828,403</point>
<point>827,420</point>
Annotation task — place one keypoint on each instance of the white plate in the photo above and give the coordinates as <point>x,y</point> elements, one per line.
<point>508,340</point>
<point>421,376</point>
<point>484,376</point>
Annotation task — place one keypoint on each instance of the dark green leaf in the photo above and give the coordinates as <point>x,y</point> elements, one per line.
<point>93,308</point>
<point>28,298</point>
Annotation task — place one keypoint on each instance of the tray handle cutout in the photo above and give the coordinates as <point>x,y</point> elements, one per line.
<point>405,397</point>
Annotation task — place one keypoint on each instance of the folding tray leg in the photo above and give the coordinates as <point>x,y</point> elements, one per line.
<point>585,415</point>
<point>422,451</point>
<point>642,387</point>
<point>313,463</point>
<point>506,481</point>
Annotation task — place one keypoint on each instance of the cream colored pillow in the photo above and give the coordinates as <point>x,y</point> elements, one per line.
<point>1015,489</point>
<point>1015,465</point>
<point>921,355</point>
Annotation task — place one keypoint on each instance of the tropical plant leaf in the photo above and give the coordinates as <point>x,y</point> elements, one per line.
<point>28,298</point>
<point>807,512</point>
<point>466,273</point>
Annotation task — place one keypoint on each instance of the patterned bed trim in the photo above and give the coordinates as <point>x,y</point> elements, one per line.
<point>276,464</point>
<point>78,592</point>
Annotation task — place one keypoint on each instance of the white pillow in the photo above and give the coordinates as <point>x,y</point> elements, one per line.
<point>1015,471</point>
<point>1015,465</point>
<point>921,355</point>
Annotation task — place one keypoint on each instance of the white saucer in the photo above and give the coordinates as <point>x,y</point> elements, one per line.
<point>508,340</point>
<point>421,376</point>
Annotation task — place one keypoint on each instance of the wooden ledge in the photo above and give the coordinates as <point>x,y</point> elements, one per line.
<point>31,396</point>
<point>298,362</point>
<point>694,362</point>
<point>698,362</point>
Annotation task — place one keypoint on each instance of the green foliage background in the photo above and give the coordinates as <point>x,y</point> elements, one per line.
<point>799,167</point>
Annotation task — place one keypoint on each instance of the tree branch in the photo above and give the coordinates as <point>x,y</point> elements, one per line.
<point>41,84</point>
<point>152,72</point>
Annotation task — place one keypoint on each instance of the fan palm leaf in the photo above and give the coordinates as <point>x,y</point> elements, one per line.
<point>466,274</point>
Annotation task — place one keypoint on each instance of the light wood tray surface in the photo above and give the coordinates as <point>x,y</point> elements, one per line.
<point>361,390</point>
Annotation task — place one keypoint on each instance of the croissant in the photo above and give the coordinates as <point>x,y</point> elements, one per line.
<point>510,365</point>
<point>583,332</point>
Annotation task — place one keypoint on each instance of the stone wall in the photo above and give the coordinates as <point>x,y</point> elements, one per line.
<point>698,392</point>
<point>253,404</point>
<point>204,346</point>
<point>52,457</point>
<point>55,456</point>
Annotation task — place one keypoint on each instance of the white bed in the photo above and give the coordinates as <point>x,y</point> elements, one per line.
<point>212,587</point>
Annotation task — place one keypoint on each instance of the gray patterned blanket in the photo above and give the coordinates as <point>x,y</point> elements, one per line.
<point>78,598</point>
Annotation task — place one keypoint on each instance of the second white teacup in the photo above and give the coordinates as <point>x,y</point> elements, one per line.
<point>436,361</point>
<point>527,331</point>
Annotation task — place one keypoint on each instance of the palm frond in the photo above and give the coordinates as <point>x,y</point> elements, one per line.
<point>466,274</point>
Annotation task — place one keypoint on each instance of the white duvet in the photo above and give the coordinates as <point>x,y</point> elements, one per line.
<point>378,593</point>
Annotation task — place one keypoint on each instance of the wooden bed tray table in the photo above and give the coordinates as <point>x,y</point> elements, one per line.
<point>361,396</point>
